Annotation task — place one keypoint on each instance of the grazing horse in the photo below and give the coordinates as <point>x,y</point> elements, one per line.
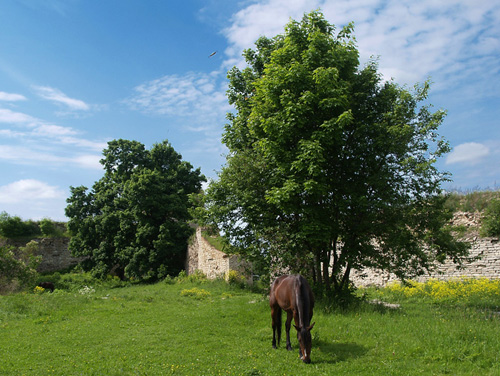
<point>47,286</point>
<point>293,294</point>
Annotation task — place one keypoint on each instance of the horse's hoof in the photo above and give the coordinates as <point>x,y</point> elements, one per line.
<point>289,348</point>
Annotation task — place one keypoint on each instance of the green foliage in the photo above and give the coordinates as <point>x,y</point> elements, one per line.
<point>134,221</point>
<point>216,241</point>
<point>15,227</point>
<point>475,201</point>
<point>50,228</point>
<point>18,267</point>
<point>197,277</point>
<point>328,161</point>
<point>491,221</point>
<point>196,293</point>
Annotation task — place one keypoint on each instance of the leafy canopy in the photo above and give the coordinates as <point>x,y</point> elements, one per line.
<point>329,167</point>
<point>134,221</point>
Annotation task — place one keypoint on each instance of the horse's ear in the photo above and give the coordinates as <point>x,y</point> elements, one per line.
<point>311,326</point>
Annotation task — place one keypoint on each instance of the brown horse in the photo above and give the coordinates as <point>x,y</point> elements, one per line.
<point>293,294</point>
<point>47,286</point>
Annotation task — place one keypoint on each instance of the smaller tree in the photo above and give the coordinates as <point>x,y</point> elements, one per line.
<point>135,219</point>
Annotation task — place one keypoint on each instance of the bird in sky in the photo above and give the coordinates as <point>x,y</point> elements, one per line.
<point>212,54</point>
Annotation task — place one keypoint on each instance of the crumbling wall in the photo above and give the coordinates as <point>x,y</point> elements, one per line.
<point>213,263</point>
<point>54,251</point>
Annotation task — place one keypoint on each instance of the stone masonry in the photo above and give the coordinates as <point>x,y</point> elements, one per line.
<point>54,251</point>
<point>484,251</point>
<point>209,260</point>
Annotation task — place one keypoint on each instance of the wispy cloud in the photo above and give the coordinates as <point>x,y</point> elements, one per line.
<point>44,136</point>
<point>37,157</point>
<point>12,117</point>
<point>468,153</point>
<point>11,97</point>
<point>414,40</point>
<point>57,96</point>
<point>196,95</point>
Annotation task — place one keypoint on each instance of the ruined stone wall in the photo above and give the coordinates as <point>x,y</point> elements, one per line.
<point>209,260</point>
<point>54,251</point>
<point>487,266</point>
<point>486,250</point>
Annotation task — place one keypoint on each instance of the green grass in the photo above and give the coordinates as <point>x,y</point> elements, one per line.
<point>210,328</point>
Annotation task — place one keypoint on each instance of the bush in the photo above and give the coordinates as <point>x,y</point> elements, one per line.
<point>197,277</point>
<point>18,268</point>
<point>235,278</point>
<point>48,227</point>
<point>491,221</point>
<point>196,293</point>
<point>15,227</point>
<point>473,291</point>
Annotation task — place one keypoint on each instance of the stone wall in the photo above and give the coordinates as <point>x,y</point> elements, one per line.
<point>485,251</point>
<point>213,263</point>
<point>54,251</point>
<point>486,266</point>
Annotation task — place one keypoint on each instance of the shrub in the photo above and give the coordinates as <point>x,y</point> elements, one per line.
<point>18,268</point>
<point>491,221</point>
<point>15,227</point>
<point>235,278</point>
<point>48,228</point>
<point>196,293</point>
<point>457,290</point>
<point>197,277</point>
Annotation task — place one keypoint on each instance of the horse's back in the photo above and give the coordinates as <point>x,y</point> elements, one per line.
<point>283,291</point>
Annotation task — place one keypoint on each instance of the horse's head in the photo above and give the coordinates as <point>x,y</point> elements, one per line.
<point>305,342</point>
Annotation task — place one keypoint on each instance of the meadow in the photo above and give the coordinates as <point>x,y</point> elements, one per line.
<point>196,327</point>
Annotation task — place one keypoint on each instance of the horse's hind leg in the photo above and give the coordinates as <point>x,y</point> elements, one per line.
<point>288,325</point>
<point>276,323</point>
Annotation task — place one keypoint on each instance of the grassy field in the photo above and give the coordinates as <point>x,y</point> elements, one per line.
<point>210,328</point>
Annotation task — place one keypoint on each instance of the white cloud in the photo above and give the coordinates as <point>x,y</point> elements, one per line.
<point>28,190</point>
<point>53,130</point>
<point>31,156</point>
<point>468,153</point>
<point>415,40</point>
<point>33,199</point>
<point>57,96</point>
<point>10,97</point>
<point>90,161</point>
<point>196,95</point>
<point>11,117</point>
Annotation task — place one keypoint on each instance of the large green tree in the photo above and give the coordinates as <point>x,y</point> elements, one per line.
<point>330,167</point>
<point>134,221</point>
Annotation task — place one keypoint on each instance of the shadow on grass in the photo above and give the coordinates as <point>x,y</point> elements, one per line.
<point>339,352</point>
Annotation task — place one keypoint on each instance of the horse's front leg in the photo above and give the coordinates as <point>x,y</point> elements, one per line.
<point>288,324</point>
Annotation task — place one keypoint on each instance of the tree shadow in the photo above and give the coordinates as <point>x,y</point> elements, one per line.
<point>339,352</point>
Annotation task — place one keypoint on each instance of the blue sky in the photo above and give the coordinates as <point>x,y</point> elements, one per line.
<point>75,74</point>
